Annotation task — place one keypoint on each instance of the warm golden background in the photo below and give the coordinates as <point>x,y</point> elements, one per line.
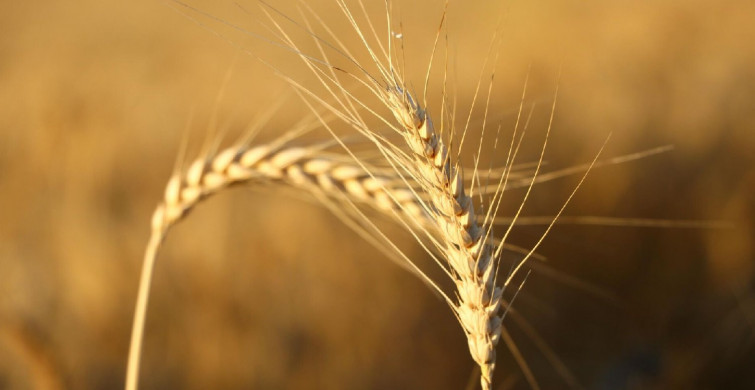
<point>261,291</point>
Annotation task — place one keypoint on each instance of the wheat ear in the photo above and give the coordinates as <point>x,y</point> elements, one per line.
<point>464,243</point>
<point>467,249</point>
<point>302,167</point>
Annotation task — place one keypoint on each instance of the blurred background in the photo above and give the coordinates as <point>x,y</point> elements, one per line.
<point>257,290</point>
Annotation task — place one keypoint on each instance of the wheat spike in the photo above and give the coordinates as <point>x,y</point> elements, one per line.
<point>467,249</point>
<point>463,243</point>
<point>302,167</point>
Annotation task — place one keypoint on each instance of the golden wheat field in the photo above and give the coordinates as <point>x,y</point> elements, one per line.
<point>648,281</point>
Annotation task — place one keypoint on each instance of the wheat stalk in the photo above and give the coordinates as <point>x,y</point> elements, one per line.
<point>303,167</point>
<point>465,244</point>
<point>468,247</point>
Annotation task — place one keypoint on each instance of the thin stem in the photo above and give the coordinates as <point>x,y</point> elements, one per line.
<point>140,312</point>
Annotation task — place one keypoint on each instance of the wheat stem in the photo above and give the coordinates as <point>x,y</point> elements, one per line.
<point>302,167</point>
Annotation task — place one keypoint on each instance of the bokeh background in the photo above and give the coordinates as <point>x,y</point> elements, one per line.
<point>263,291</point>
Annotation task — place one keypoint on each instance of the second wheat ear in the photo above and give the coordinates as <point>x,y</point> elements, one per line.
<point>298,166</point>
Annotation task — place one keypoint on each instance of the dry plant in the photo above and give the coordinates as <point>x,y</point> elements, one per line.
<point>89,101</point>
<point>421,184</point>
<point>469,254</point>
<point>309,168</point>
